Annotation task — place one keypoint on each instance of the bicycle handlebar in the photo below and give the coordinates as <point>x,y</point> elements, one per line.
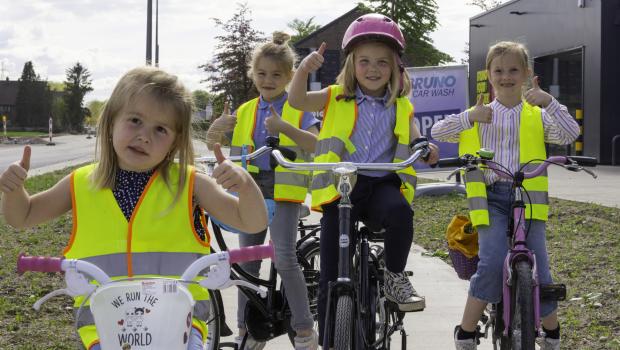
<point>573,163</point>
<point>257,153</point>
<point>420,150</point>
<point>56,264</point>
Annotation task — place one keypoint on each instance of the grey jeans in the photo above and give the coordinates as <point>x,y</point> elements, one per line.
<point>283,229</point>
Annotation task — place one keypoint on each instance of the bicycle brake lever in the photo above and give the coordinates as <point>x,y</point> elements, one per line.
<point>453,173</point>
<point>46,297</point>
<point>590,172</point>
<point>241,283</point>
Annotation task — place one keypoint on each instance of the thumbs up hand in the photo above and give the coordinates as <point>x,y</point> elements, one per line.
<point>226,122</point>
<point>314,60</point>
<point>537,96</point>
<point>230,176</point>
<point>15,175</point>
<point>274,122</point>
<point>481,113</point>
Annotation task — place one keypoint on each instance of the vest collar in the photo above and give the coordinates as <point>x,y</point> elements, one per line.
<point>361,97</point>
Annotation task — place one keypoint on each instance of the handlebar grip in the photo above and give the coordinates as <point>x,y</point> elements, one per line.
<point>257,252</point>
<point>38,263</point>
<point>584,161</point>
<point>449,162</point>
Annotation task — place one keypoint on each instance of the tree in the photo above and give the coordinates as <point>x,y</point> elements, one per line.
<point>33,101</point>
<point>417,19</point>
<point>302,28</point>
<point>485,5</point>
<point>95,107</point>
<point>201,99</point>
<point>77,85</point>
<point>228,68</point>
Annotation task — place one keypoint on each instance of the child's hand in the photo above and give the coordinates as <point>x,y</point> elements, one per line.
<point>15,175</point>
<point>481,113</point>
<point>226,122</point>
<point>313,61</point>
<point>274,122</point>
<point>433,156</point>
<point>536,96</point>
<point>230,176</point>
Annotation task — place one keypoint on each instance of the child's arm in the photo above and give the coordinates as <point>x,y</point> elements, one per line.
<point>247,212</point>
<point>21,210</point>
<point>299,97</point>
<point>306,139</point>
<point>222,125</point>
<point>560,127</point>
<point>449,129</point>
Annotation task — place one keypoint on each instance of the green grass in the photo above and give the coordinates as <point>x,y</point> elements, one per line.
<point>582,241</point>
<point>23,133</point>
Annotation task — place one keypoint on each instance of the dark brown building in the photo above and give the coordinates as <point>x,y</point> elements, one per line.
<point>8,98</point>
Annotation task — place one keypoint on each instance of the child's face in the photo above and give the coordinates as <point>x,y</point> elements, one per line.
<point>270,79</point>
<point>507,75</point>
<point>143,133</point>
<point>373,67</point>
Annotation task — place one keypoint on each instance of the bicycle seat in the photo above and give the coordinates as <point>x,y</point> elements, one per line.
<point>374,231</point>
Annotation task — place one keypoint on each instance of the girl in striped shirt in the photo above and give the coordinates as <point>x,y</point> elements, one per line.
<point>499,128</point>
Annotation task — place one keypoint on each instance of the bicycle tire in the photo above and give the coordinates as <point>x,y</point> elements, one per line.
<point>345,324</point>
<point>309,261</point>
<point>213,321</point>
<point>522,326</point>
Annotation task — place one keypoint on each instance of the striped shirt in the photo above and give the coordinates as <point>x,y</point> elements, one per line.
<point>502,134</point>
<point>373,135</point>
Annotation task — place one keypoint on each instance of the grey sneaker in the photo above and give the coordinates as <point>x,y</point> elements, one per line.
<point>464,344</point>
<point>250,343</point>
<point>549,344</point>
<point>399,290</point>
<point>310,342</point>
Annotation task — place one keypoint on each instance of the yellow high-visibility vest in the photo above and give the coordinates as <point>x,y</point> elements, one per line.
<point>340,117</point>
<point>156,241</point>
<point>531,148</point>
<point>290,186</point>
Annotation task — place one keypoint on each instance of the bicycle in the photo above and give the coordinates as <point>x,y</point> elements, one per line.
<point>519,323</point>
<point>268,317</point>
<point>358,314</point>
<point>150,312</point>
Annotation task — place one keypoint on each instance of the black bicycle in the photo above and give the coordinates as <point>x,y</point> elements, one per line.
<point>358,314</point>
<point>269,317</point>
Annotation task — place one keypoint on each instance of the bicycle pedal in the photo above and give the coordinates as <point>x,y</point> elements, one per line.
<point>553,292</point>
<point>409,273</point>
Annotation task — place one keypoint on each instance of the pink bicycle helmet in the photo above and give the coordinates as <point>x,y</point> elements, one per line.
<point>373,26</point>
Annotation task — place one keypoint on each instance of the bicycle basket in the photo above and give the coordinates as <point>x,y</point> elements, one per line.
<point>462,240</point>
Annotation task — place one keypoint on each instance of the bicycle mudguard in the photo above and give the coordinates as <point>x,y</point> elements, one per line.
<point>553,292</point>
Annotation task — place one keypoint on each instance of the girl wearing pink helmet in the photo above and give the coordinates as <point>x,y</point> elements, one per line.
<point>367,118</point>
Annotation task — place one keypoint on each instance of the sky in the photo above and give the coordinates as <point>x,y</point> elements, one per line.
<point>108,37</point>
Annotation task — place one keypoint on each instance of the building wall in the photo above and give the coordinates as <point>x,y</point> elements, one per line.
<point>610,84</point>
<point>548,27</point>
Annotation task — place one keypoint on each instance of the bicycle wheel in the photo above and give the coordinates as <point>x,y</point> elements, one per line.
<point>522,328</point>
<point>345,324</point>
<point>213,320</point>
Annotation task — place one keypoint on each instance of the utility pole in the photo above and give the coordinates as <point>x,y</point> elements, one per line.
<point>156,33</point>
<point>149,30</point>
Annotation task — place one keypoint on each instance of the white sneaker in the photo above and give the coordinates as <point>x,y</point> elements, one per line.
<point>310,342</point>
<point>399,290</point>
<point>549,344</point>
<point>464,344</point>
<point>250,343</point>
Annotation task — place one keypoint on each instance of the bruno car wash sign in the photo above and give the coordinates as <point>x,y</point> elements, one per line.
<point>437,92</point>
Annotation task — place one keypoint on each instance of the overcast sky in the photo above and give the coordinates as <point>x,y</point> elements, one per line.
<point>108,36</point>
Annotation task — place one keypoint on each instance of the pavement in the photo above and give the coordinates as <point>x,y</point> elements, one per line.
<point>445,293</point>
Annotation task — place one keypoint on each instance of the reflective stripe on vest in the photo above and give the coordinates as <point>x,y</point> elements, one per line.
<point>290,186</point>
<point>531,148</point>
<point>148,245</point>
<point>334,140</point>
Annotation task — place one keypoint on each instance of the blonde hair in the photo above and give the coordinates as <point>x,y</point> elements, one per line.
<point>508,47</point>
<point>167,90</point>
<point>278,50</point>
<point>396,86</point>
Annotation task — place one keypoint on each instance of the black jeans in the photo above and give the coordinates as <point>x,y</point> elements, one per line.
<point>376,199</point>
